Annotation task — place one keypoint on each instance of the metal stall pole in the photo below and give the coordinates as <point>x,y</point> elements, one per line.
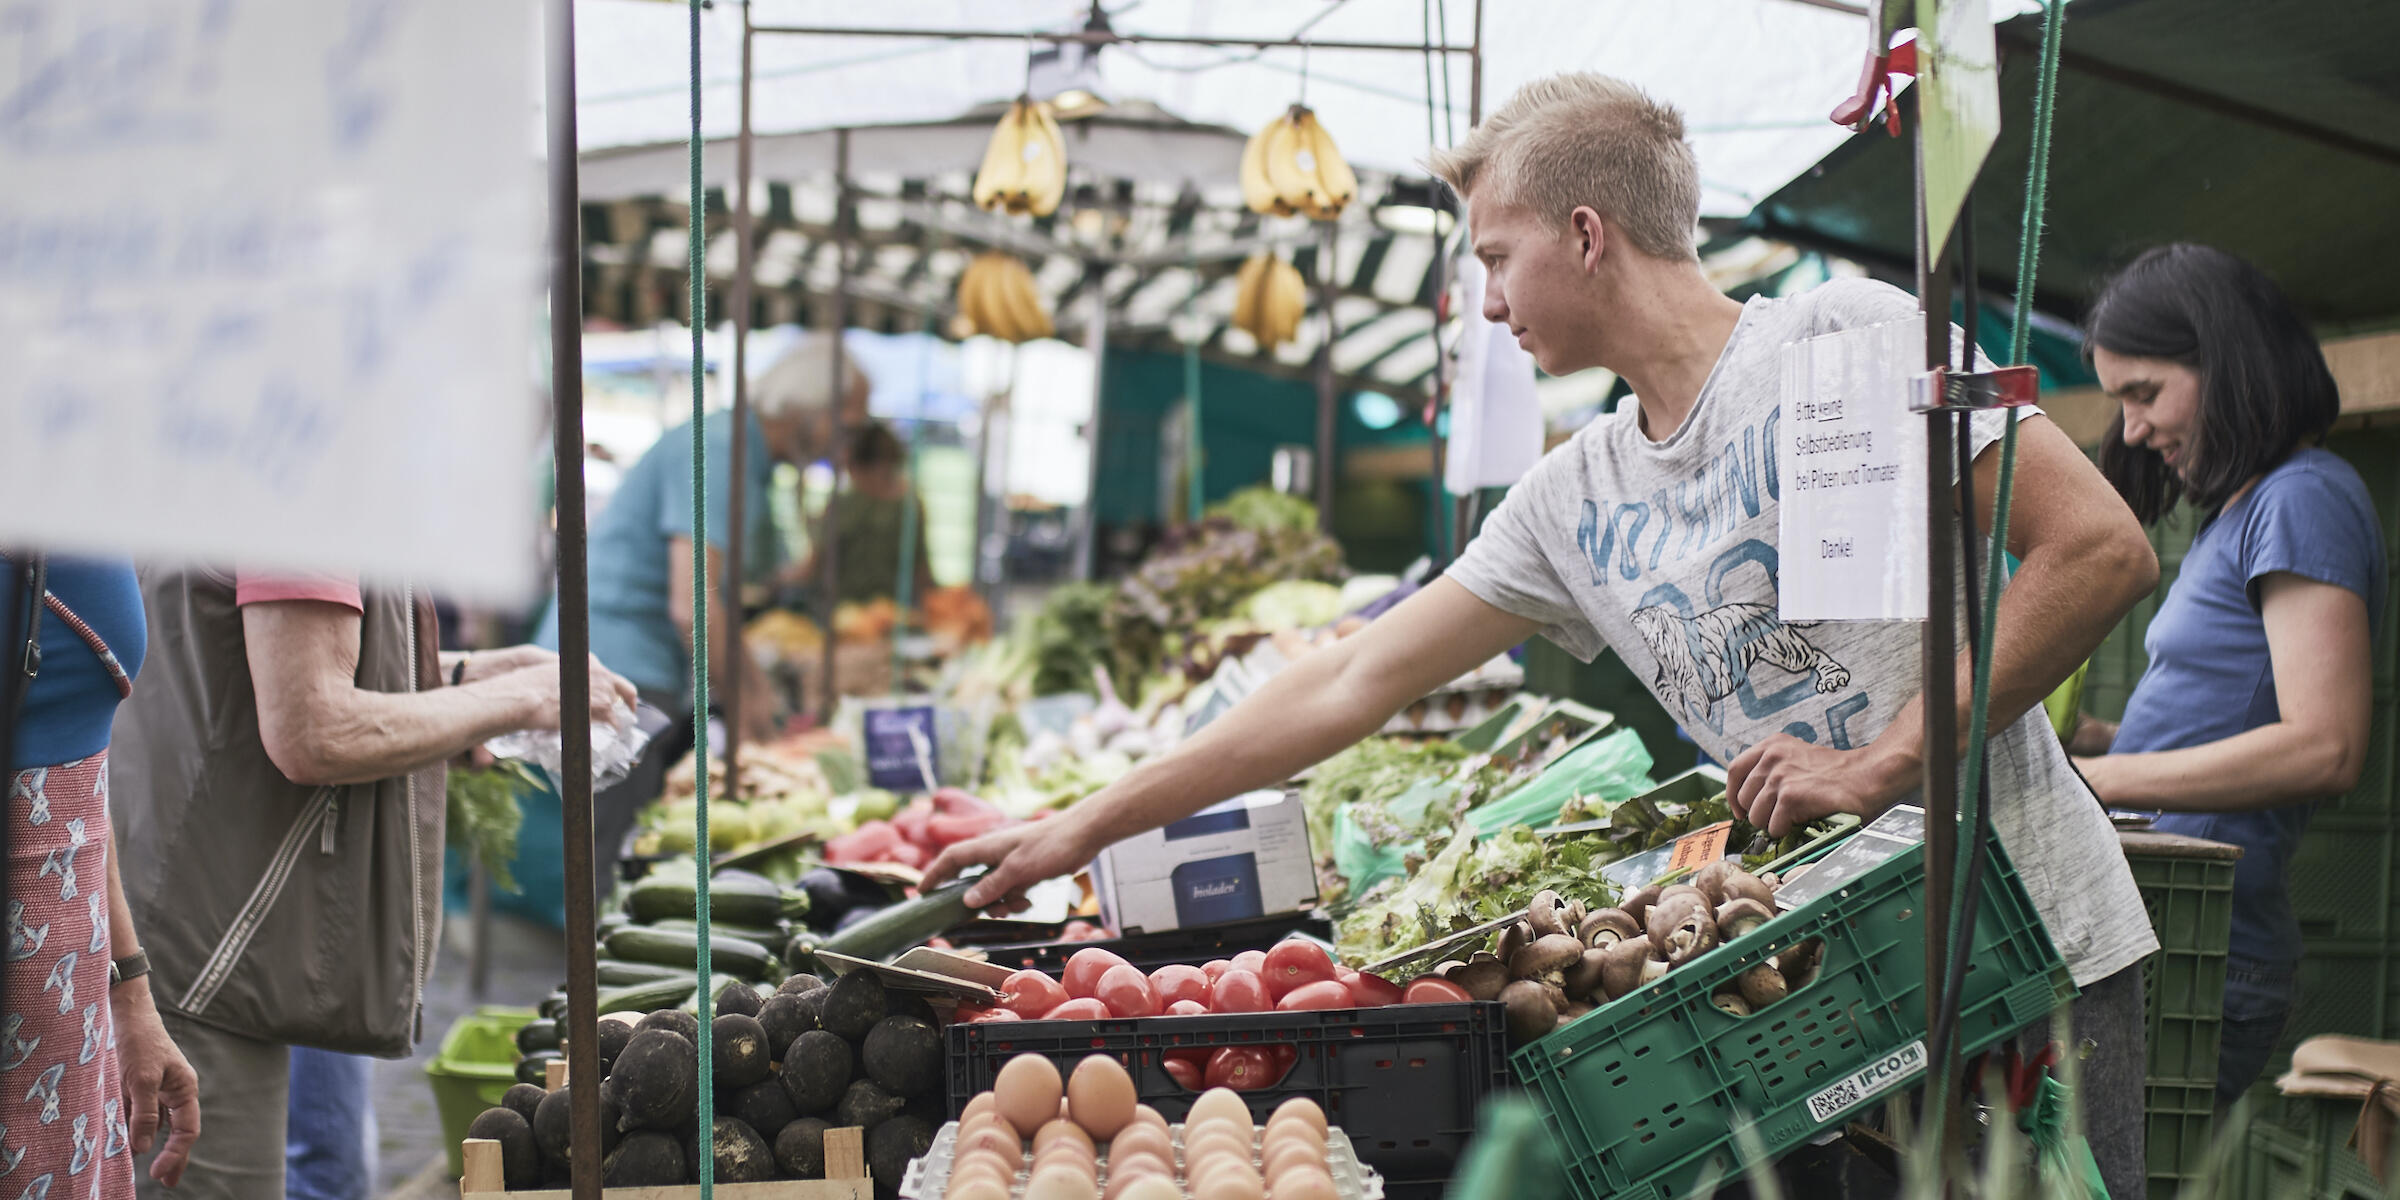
<point>1095,343</point>
<point>829,554</point>
<point>1940,657</point>
<point>1326,404</point>
<point>737,528</point>
<point>574,600</point>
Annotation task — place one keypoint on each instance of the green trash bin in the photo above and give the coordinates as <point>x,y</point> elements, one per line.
<point>474,1067</point>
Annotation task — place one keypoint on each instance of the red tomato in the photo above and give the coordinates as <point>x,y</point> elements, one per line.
<point>945,830</point>
<point>1084,931</point>
<point>1371,991</point>
<point>1216,967</point>
<point>1082,976</point>
<point>1433,989</point>
<point>1324,993</point>
<point>1242,1068</point>
<point>911,821</point>
<point>1078,1010</point>
<point>1126,991</point>
<point>1284,1054</point>
<point>1178,981</point>
<point>974,1015</point>
<point>1190,1074</point>
<point>1240,991</point>
<point>909,854</point>
<point>1187,1008</point>
<point>1031,993</point>
<point>1253,961</point>
<point>956,802</point>
<point>1295,963</point>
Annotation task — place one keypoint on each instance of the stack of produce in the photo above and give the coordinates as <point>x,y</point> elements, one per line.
<point>1036,1136</point>
<point>1292,166</point>
<point>788,1067</point>
<point>919,832</point>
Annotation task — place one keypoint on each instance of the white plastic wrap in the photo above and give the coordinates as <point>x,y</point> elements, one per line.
<point>616,746</point>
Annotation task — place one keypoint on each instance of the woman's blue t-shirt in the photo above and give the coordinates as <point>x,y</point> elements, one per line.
<point>2210,676</point>
<point>73,701</point>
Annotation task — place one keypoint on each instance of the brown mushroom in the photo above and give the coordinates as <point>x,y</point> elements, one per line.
<point>1482,978</point>
<point>1710,879</point>
<point>1682,927</point>
<point>1512,939</point>
<point>1482,956</point>
<point>1545,916</point>
<point>1626,965</point>
<point>1573,914</point>
<point>1799,964</point>
<point>1731,1002</point>
<point>1531,1013</point>
<point>1447,968</point>
<point>1794,873</point>
<point>1772,880</point>
<point>1583,978</point>
<point>1607,926</point>
<point>1738,917</point>
<point>1576,1010</point>
<point>1547,959</point>
<point>1742,885</point>
<point>1638,904</point>
<point>1761,985</point>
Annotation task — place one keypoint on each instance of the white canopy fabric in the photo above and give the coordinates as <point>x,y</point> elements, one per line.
<point>1754,78</point>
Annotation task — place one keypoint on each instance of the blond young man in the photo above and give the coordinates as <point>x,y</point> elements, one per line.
<point>1653,533</point>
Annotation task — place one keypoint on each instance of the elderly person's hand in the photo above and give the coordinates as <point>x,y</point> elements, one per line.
<point>533,673</point>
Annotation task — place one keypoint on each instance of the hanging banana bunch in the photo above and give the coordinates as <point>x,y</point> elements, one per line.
<point>1269,299</point>
<point>997,296</point>
<point>1025,164</point>
<point>1292,166</point>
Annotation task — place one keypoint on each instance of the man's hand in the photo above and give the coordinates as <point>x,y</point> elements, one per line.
<point>1020,856</point>
<point>1784,783</point>
<point>2092,736</point>
<point>536,689</point>
<point>158,1081</point>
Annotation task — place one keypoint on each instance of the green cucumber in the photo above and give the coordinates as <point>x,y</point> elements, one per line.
<point>732,955</point>
<point>771,936</point>
<point>648,997</point>
<point>535,1068</point>
<point>882,937</point>
<point>735,897</point>
<point>537,1035</point>
<point>610,973</point>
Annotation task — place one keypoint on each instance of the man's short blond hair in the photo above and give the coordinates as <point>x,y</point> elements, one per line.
<point>1581,139</point>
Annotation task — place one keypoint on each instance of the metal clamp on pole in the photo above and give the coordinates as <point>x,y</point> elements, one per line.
<point>1945,390</point>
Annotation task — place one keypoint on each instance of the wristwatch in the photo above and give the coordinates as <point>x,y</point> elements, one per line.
<point>132,966</point>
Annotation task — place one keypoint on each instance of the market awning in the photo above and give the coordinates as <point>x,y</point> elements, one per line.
<point>2270,128</point>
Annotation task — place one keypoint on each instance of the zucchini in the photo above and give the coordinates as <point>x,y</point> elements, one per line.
<point>881,937</point>
<point>649,997</point>
<point>669,947</point>
<point>535,1068</point>
<point>771,936</point>
<point>734,897</point>
<point>554,1005</point>
<point>611,922</point>
<point>610,973</point>
<point>537,1035</point>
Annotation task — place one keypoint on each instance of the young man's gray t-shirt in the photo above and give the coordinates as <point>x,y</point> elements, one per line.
<point>1666,552</point>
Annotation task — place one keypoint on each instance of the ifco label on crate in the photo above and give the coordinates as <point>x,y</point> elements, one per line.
<point>1881,1076</point>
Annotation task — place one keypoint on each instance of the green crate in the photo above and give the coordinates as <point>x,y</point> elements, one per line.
<point>2182,1120</point>
<point>1645,1092</point>
<point>2299,1147</point>
<point>2187,887</point>
<point>474,1067</point>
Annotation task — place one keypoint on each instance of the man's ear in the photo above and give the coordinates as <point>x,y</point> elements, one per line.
<point>1590,235</point>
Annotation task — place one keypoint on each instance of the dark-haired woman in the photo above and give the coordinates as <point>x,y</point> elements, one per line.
<point>2256,702</point>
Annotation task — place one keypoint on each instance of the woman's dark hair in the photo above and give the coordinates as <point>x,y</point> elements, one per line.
<point>875,445</point>
<point>2264,387</point>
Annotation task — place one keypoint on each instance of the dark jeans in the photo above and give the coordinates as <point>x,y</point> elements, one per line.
<point>2110,1035</point>
<point>2259,999</point>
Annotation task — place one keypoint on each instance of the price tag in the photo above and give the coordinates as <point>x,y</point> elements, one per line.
<point>1700,847</point>
<point>893,759</point>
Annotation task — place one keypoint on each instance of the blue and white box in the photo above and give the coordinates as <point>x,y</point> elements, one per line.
<point>1237,861</point>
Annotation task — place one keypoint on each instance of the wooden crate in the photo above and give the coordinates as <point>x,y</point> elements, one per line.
<point>845,1168</point>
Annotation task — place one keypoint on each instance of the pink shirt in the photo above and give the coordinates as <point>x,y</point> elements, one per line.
<point>255,587</point>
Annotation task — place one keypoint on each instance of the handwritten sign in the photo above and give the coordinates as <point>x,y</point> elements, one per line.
<point>269,284</point>
<point>899,744</point>
<point>1853,511</point>
<point>1701,847</point>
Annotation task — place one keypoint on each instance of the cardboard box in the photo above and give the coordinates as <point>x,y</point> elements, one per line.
<point>1246,858</point>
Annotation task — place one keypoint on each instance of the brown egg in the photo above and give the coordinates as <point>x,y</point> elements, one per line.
<point>1060,1183</point>
<point>1100,1096</point>
<point>982,1103</point>
<point>1150,1116</point>
<point>1005,1166</point>
<point>1140,1166</point>
<point>1149,1187</point>
<point>978,1186</point>
<point>1299,1108</point>
<point>1063,1131</point>
<point>1294,1130</point>
<point>1069,1154</point>
<point>1000,1139</point>
<point>1304,1183</point>
<point>1224,1179</point>
<point>1234,1140</point>
<point>1137,1136</point>
<point>1276,1158</point>
<point>1219,1104</point>
<point>1026,1092</point>
<point>1135,1162</point>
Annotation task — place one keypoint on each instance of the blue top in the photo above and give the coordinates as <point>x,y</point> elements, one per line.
<point>631,631</point>
<point>73,701</point>
<point>2210,676</point>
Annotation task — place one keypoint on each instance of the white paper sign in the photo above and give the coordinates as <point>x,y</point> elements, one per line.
<point>1495,415</point>
<point>1853,506</point>
<point>269,283</point>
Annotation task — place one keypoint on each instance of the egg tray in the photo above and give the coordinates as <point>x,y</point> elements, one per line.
<point>929,1175</point>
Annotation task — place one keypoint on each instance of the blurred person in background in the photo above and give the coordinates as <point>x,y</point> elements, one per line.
<point>867,524</point>
<point>82,1030</point>
<point>280,774</point>
<point>2257,698</point>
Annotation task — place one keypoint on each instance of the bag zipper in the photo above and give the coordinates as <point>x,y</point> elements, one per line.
<point>421,954</point>
<point>333,824</point>
<point>269,888</point>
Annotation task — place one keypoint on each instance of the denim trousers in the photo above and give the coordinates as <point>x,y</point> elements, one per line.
<point>329,1132</point>
<point>2259,998</point>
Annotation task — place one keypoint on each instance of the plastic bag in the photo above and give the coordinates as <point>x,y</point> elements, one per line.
<point>2063,1161</point>
<point>2064,707</point>
<point>1512,1154</point>
<point>616,746</point>
<point>1614,767</point>
<point>1360,859</point>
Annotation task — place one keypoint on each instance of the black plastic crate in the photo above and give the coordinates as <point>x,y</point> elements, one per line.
<point>1403,1081</point>
<point>1150,951</point>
